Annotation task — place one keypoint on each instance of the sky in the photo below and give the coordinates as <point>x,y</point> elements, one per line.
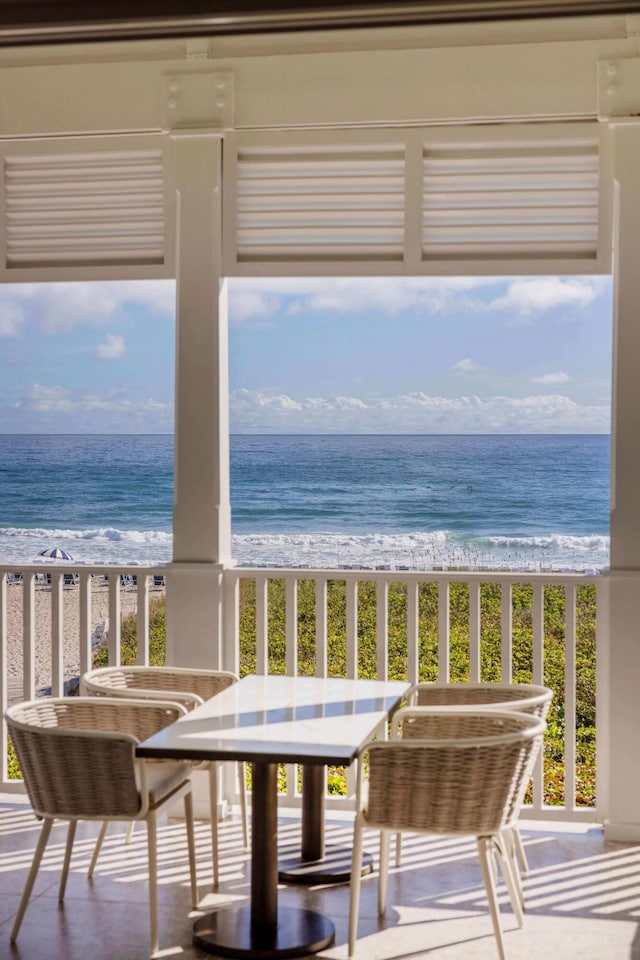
<point>318,355</point>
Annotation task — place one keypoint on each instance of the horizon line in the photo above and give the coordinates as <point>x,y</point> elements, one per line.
<point>243,433</point>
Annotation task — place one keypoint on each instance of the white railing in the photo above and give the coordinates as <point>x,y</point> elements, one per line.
<point>48,619</point>
<point>442,626</point>
<point>436,625</point>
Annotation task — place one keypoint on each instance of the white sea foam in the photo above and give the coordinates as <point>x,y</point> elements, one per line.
<point>412,551</point>
<point>422,551</point>
<point>97,546</point>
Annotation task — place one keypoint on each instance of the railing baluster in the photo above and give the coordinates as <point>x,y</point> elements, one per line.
<point>291,626</point>
<point>351,587</point>
<point>444,617</point>
<point>85,626</point>
<point>57,635</point>
<point>142,621</point>
<point>474,633</point>
<point>262,625</point>
<point>114,620</point>
<point>291,658</point>
<point>570,697</point>
<point>537,617</point>
<point>28,636</point>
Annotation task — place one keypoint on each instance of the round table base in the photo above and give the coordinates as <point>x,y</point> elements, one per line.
<point>335,867</point>
<point>229,933</point>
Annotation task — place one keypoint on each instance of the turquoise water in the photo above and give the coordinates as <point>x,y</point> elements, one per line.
<point>399,501</point>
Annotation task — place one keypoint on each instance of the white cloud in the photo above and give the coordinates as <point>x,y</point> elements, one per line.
<point>112,347</point>
<point>527,296</point>
<point>465,366</point>
<point>551,378</point>
<point>10,318</point>
<point>54,307</point>
<point>40,409</point>
<point>261,298</point>
<point>258,411</point>
<point>46,399</point>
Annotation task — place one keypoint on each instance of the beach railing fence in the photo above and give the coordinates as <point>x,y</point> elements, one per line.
<point>52,619</point>
<point>544,628</point>
<point>398,624</point>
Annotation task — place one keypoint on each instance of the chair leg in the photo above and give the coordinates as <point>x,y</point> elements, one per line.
<point>398,849</point>
<point>153,879</point>
<point>188,819</point>
<point>130,828</point>
<point>33,872</point>
<point>71,833</point>
<point>383,876</point>
<point>98,847</point>
<point>510,873</point>
<point>356,877</point>
<point>213,812</point>
<point>484,852</point>
<point>519,851</point>
<point>507,837</point>
<point>242,774</point>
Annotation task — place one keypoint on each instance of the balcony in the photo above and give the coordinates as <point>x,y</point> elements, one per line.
<point>582,893</point>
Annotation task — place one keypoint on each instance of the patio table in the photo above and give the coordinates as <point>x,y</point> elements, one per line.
<point>267,720</point>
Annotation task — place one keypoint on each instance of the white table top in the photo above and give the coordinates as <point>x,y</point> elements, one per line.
<point>275,719</point>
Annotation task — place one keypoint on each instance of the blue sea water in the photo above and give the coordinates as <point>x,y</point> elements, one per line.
<point>533,502</point>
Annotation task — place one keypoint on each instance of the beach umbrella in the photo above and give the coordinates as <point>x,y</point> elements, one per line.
<point>55,553</point>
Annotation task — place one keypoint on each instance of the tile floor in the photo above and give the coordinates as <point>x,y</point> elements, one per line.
<point>583,895</point>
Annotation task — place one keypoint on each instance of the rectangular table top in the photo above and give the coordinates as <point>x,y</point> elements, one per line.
<point>274,719</point>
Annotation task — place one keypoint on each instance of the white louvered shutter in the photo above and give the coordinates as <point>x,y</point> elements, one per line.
<point>320,203</point>
<point>84,209</point>
<point>510,201</point>
<point>469,199</point>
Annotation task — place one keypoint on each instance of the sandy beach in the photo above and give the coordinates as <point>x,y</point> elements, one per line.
<point>71,615</point>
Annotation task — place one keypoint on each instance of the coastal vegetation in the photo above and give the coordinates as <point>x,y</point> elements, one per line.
<point>490,652</point>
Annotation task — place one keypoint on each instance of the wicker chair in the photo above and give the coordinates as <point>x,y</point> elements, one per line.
<point>466,775</point>
<point>188,687</point>
<point>77,757</point>
<point>525,697</point>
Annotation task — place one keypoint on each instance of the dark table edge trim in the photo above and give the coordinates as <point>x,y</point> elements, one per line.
<point>160,753</point>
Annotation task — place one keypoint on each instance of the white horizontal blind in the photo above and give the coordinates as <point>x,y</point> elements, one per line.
<point>510,201</point>
<point>298,203</point>
<point>84,209</point>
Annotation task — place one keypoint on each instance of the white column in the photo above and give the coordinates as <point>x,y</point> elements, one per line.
<point>621,765</point>
<point>202,513</point>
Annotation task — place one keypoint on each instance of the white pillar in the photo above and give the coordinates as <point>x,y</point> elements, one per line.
<point>622,761</point>
<point>202,512</point>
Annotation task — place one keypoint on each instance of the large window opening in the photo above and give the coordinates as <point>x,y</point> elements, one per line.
<point>402,423</point>
<point>412,423</point>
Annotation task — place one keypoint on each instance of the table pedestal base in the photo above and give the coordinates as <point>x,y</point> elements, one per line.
<point>334,867</point>
<point>229,933</point>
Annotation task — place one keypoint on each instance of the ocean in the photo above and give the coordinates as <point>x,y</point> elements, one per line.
<point>399,502</point>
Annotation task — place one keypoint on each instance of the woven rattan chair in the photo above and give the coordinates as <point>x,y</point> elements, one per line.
<point>188,687</point>
<point>525,697</point>
<point>77,757</point>
<point>466,775</point>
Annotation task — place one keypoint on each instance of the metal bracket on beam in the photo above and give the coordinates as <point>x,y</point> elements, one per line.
<point>619,90</point>
<point>198,103</point>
